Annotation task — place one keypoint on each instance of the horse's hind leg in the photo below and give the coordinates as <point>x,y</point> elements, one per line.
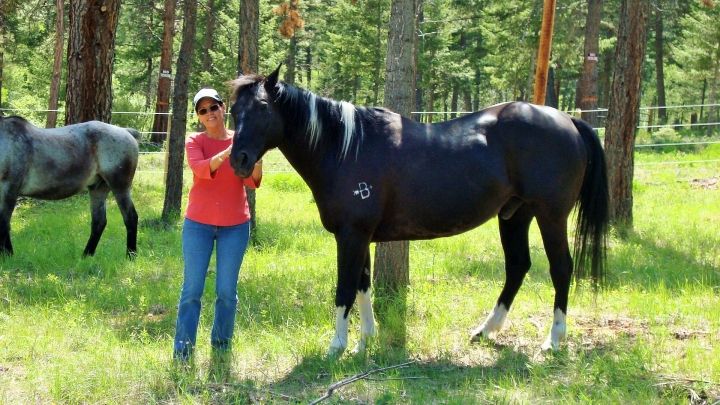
<point>130,218</point>
<point>367,318</point>
<point>98,195</point>
<point>514,238</point>
<point>7,205</point>
<point>554,235</point>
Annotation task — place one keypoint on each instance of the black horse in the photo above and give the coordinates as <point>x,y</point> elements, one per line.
<point>53,164</point>
<point>377,176</point>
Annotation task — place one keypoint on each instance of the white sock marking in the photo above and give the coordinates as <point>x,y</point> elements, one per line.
<point>339,341</point>
<point>493,323</point>
<point>367,319</point>
<point>557,332</point>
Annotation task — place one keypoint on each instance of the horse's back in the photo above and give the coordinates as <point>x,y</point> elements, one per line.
<point>449,177</point>
<point>62,161</point>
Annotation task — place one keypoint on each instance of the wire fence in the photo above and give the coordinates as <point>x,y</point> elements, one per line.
<point>154,153</point>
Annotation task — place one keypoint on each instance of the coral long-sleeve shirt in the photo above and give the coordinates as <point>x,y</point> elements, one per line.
<point>215,198</point>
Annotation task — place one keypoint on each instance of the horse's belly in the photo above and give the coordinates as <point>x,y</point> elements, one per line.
<point>55,187</point>
<point>440,223</point>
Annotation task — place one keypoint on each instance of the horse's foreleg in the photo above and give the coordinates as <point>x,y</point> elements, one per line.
<point>352,249</point>
<point>98,195</point>
<point>514,238</point>
<point>130,218</point>
<point>554,235</point>
<point>7,205</point>
<point>364,299</point>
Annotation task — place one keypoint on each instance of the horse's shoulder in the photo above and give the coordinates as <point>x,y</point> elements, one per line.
<point>15,125</point>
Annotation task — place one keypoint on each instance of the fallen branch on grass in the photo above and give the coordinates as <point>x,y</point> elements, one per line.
<point>355,378</point>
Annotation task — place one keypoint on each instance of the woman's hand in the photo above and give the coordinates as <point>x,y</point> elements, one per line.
<point>217,160</point>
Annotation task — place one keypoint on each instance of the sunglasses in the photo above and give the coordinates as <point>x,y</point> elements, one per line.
<point>212,108</point>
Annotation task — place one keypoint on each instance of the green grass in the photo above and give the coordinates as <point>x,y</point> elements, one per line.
<point>99,330</point>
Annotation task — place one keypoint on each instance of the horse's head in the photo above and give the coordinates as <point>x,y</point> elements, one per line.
<point>258,124</point>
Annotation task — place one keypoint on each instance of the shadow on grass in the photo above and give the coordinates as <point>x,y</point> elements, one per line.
<point>659,263</point>
<point>613,371</point>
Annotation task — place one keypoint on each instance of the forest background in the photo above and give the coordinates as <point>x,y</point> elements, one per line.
<point>471,54</point>
<point>99,330</point>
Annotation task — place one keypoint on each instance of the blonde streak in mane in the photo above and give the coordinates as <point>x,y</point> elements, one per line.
<point>347,112</point>
<point>313,123</point>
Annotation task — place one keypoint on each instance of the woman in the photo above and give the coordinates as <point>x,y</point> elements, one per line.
<point>217,217</point>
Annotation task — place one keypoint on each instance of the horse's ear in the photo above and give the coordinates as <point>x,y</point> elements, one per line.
<point>272,79</point>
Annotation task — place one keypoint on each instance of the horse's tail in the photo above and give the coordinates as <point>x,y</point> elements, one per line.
<point>134,132</point>
<point>593,210</point>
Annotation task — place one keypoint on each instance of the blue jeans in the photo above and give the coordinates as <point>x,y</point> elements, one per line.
<point>198,241</point>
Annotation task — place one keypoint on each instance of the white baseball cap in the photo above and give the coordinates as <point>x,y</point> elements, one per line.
<point>206,93</point>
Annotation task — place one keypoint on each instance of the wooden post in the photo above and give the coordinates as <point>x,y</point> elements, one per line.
<point>543,59</point>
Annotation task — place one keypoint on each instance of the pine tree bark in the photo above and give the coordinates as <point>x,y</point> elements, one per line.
<point>586,97</point>
<point>91,50</point>
<point>51,120</point>
<point>209,32</point>
<point>289,76</point>
<point>162,107</point>
<point>391,276</point>
<point>659,66</point>
<point>249,21</point>
<point>176,143</point>
<point>624,109</point>
<point>248,61</point>
<point>3,9</point>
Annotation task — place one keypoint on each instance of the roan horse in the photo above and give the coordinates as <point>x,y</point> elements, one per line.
<point>53,164</point>
<point>377,176</point>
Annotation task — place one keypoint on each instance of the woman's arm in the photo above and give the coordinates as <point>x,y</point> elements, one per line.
<point>255,177</point>
<point>217,160</point>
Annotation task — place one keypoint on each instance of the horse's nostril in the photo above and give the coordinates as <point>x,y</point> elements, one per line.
<point>243,159</point>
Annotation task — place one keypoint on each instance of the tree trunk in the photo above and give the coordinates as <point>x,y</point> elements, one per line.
<point>308,66</point>
<point>209,32</point>
<point>543,58</point>
<point>176,143</point>
<point>91,50</point>
<point>149,84</point>
<point>51,120</point>
<point>659,70</point>
<point>586,98</point>
<point>248,63</point>
<point>713,113</point>
<point>2,50</point>
<point>454,96</point>
<point>160,120</point>
<point>420,50</point>
<point>391,276</point>
<point>624,109</point>
<point>378,60</point>
<point>551,94</point>
<point>290,61</point>
<point>249,33</point>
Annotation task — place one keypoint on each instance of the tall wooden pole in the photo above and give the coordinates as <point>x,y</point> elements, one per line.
<point>543,59</point>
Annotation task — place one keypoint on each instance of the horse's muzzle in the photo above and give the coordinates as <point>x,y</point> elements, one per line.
<point>242,164</point>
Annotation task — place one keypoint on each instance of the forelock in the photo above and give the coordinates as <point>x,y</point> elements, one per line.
<point>243,81</point>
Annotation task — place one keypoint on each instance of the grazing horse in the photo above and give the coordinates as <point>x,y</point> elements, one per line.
<point>377,176</point>
<point>53,164</point>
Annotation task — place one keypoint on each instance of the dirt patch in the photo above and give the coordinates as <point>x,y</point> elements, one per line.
<point>706,184</point>
<point>600,331</point>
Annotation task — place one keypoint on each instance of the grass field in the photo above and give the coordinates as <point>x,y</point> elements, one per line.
<point>99,330</point>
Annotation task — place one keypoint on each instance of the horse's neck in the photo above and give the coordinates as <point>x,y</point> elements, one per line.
<point>305,159</point>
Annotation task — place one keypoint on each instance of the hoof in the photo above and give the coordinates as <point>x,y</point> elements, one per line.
<point>550,346</point>
<point>337,348</point>
<point>480,334</point>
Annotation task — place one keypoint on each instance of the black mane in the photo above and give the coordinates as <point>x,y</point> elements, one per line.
<point>324,120</point>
